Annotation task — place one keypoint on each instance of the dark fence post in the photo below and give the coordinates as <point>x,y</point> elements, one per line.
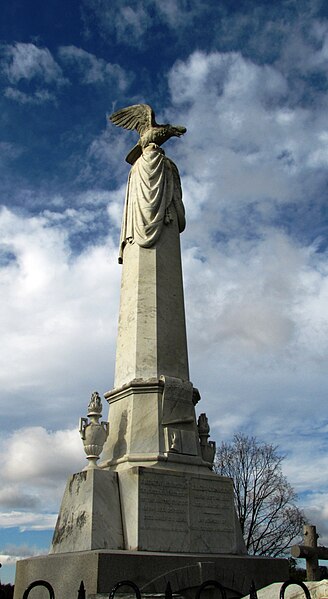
<point>81,591</point>
<point>39,583</point>
<point>125,583</point>
<point>211,583</point>
<point>252,591</point>
<point>168,591</point>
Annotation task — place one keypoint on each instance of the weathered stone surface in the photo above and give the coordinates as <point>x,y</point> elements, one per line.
<point>101,570</point>
<point>153,422</point>
<point>90,513</point>
<point>165,510</point>
<point>153,189</point>
<point>152,334</point>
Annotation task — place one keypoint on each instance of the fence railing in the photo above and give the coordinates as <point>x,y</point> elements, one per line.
<point>168,594</point>
<point>299,583</point>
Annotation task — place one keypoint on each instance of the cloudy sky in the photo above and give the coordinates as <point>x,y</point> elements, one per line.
<point>249,81</point>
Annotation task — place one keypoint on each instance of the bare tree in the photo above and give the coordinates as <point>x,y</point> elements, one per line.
<point>265,501</point>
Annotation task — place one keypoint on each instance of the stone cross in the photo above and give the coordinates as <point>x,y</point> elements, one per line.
<point>311,552</point>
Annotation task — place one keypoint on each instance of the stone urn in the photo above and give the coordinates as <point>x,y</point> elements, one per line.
<point>208,448</point>
<point>93,433</point>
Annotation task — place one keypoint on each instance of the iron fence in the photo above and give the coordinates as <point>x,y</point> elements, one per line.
<point>168,594</point>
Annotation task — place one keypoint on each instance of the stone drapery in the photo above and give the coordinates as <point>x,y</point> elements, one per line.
<point>153,188</point>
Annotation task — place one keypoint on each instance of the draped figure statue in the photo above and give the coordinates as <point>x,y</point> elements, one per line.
<point>154,188</point>
<point>153,193</point>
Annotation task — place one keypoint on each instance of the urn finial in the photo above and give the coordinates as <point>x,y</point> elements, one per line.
<point>93,433</point>
<point>207,447</point>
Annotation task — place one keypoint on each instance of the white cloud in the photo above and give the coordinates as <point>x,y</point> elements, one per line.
<point>58,318</point>
<point>36,455</point>
<point>38,97</point>
<point>126,21</point>
<point>11,553</point>
<point>305,49</point>
<point>92,69</point>
<point>28,520</point>
<point>132,22</point>
<point>12,497</point>
<point>115,206</point>
<point>38,462</point>
<point>9,151</point>
<point>171,12</point>
<point>256,294</point>
<point>178,15</point>
<point>316,510</point>
<point>106,152</point>
<point>27,61</point>
<point>234,105</point>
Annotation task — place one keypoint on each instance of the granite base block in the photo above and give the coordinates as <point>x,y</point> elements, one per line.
<point>101,570</point>
<point>90,514</point>
<point>171,511</point>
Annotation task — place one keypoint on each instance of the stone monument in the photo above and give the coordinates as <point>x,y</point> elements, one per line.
<point>152,510</point>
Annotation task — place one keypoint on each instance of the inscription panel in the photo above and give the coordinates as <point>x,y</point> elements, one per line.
<point>164,501</point>
<point>199,508</point>
<point>211,505</point>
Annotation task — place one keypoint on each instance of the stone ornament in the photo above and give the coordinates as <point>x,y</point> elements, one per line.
<point>142,118</point>
<point>208,448</point>
<point>93,433</point>
<point>153,194</point>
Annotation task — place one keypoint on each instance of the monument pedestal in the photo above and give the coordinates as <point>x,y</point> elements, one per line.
<point>90,513</point>
<point>171,511</point>
<point>148,509</point>
<point>153,422</point>
<point>101,570</point>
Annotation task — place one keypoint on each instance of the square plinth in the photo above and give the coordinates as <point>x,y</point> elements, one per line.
<point>167,510</point>
<point>101,570</point>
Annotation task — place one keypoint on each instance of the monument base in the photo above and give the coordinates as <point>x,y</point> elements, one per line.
<point>101,570</point>
<point>90,514</point>
<point>148,509</point>
<point>172,511</point>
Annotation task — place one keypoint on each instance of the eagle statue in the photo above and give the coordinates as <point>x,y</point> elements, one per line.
<point>142,118</point>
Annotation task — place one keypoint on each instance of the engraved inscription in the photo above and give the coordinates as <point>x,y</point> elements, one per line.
<point>178,503</point>
<point>164,502</point>
<point>211,506</point>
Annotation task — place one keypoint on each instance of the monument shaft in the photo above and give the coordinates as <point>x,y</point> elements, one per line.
<point>152,332</point>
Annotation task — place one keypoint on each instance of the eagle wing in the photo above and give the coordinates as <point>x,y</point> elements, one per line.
<point>139,116</point>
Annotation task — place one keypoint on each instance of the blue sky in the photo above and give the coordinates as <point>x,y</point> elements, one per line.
<point>249,81</point>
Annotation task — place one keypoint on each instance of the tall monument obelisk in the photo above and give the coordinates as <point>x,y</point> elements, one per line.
<point>171,501</point>
<point>152,510</point>
<point>159,471</point>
